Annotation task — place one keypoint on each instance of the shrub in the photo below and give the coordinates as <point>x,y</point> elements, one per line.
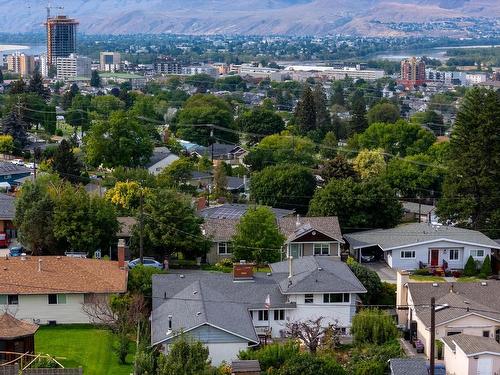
<point>485,268</point>
<point>387,294</point>
<point>373,359</point>
<point>308,364</point>
<point>422,272</point>
<point>470,268</point>
<point>272,356</point>
<point>369,279</point>
<point>373,326</point>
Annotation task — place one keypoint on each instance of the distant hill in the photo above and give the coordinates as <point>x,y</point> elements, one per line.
<point>293,17</point>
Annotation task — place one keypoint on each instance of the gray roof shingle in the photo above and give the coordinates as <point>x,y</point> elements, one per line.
<point>236,211</point>
<point>408,366</point>
<point>220,230</point>
<point>415,208</point>
<point>7,207</point>
<point>408,234</point>
<point>472,344</point>
<point>12,169</point>
<point>463,299</point>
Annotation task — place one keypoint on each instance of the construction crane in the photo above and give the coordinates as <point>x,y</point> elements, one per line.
<point>49,7</point>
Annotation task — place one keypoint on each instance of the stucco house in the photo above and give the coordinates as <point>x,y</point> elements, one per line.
<point>53,289</point>
<point>470,308</point>
<point>410,246</point>
<point>304,236</point>
<point>229,313</point>
<point>467,354</point>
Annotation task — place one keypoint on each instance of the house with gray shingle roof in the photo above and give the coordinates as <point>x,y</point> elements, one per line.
<point>471,308</point>
<point>229,313</point>
<point>408,366</point>
<point>304,236</point>
<point>467,354</point>
<point>410,246</point>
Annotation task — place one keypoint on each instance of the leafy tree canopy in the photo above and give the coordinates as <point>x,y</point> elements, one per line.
<point>383,112</point>
<point>260,122</point>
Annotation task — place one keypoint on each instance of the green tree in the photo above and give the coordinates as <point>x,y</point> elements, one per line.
<point>105,105</point>
<point>220,181</point>
<point>66,164</point>
<point>6,144</point>
<point>399,139</point>
<point>95,79</point>
<point>202,82</point>
<point>337,168</point>
<point>1,76</point>
<point>78,113</point>
<point>198,113</point>
<point>358,205</point>
<point>172,225</point>
<point>373,326</point>
<point>323,120</point>
<point>18,87</point>
<point>471,187</point>
<point>14,126</point>
<point>258,237</point>
<point>140,280</point>
<point>370,280</point>
<point>485,270</point>
<point>286,186</point>
<point>470,268</point>
<point>307,364</point>
<point>305,112</point>
<point>119,141</point>
<point>231,83</point>
<point>383,112</point>
<point>369,164</point>
<point>36,85</point>
<point>185,357</point>
<point>259,123</point>
<point>329,146</point>
<point>338,94</point>
<point>177,174</point>
<point>281,149</point>
<point>358,122</point>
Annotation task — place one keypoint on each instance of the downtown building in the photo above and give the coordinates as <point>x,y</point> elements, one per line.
<point>412,73</point>
<point>73,66</point>
<point>21,63</point>
<point>110,61</point>
<point>61,38</point>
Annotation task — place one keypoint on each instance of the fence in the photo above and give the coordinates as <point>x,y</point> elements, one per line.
<point>14,370</point>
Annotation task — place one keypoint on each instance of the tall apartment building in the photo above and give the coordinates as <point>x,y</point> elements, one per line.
<point>73,66</point>
<point>61,37</point>
<point>412,72</point>
<point>21,64</point>
<point>167,66</point>
<point>110,61</point>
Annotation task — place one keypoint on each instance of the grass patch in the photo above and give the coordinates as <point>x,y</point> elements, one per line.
<point>82,345</point>
<point>429,279</point>
<point>469,279</point>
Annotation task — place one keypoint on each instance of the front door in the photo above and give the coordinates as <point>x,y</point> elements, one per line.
<point>295,250</point>
<point>434,257</point>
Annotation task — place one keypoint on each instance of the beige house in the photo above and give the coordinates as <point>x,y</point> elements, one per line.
<point>54,289</point>
<point>467,354</point>
<point>305,236</point>
<point>461,308</point>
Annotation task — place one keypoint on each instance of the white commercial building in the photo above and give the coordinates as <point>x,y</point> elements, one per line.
<point>331,72</point>
<point>73,66</point>
<point>110,61</point>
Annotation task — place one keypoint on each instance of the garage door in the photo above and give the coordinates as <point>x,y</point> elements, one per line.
<point>485,366</point>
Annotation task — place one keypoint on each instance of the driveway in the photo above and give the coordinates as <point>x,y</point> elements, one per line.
<point>385,272</point>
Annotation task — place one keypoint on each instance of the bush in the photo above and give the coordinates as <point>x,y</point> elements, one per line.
<point>44,362</point>
<point>121,347</point>
<point>272,356</point>
<point>373,359</point>
<point>373,326</point>
<point>422,272</point>
<point>307,364</point>
<point>485,268</point>
<point>369,279</point>
<point>387,294</point>
<point>470,268</point>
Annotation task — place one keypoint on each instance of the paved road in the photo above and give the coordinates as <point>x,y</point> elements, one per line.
<point>385,272</point>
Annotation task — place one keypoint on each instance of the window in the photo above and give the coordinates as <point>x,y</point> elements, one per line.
<point>321,249</point>
<point>279,314</point>
<point>407,254</point>
<point>263,315</point>
<point>486,333</point>
<point>477,253</point>
<point>309,298</point>
<point>11,299</point>
<point>454,254</point>
<point>57,299</point>
<point>223,248</point>
<point>336,297</point>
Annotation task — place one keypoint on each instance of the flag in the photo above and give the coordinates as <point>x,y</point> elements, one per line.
<point>267,304</point>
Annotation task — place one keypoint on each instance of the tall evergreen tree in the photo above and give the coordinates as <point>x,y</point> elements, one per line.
<point>358,122</point>
<point>338,94</point>
<point>14,126</point>
<point>18,87</point>
<point>1,76</point>
<point>66,164</point>
<point>471,190</point>
<point>95,79</point>
<point>323,120</point>
<point>305,112</point>
<point>36,86</point>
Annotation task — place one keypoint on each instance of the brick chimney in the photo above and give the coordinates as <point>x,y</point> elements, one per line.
<point>243,271</point>
<point>121,253</point>
<point>201,203</point>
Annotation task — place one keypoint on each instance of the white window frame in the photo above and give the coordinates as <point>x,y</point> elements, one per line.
<point>58,299</point>
<point>322,246</point>
<point>261,315</point>
<point>300,247</point>
<point>343,298</point>
<point>307,298</point>
<point>455,252</point>
<point>405,252</point>
<point>225,246</point>
<point>6,299</point>
<point>280,313</point>
<point>473,253</point>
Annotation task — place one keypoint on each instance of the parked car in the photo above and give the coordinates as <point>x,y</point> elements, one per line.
<point>368,258</point>
<point>30,165</point>
<point>148,262</point>
<point>419,345</point>
<point>16,251</point>
<point>439,369</point>
<point>17,161</point>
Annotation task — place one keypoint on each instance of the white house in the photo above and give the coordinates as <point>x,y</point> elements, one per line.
<point>466,354</point>
<point>470,308</point>
<point>162,157</point>
<point>410,246</point>
<point>229,313</point>
<point>53,289</point>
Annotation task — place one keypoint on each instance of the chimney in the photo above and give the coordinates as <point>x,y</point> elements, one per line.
<point>243,271</point>
<point>39,265</point>
<point>169,325</point>
<point>402,278</point>
<point>451,288</point>
<point>121,253</point>
<point>201,203</point>
<point>297,223</point>
<point>290,266</point>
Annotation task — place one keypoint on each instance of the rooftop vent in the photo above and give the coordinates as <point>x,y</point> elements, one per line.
<point>181,276</point>
<point>435,285</point>
<point>441,307</point>
<point>484,283</point>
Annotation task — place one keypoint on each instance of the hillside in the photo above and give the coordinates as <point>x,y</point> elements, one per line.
<point>294,17</point>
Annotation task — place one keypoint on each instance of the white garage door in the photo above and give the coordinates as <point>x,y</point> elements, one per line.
<point>485,366</point>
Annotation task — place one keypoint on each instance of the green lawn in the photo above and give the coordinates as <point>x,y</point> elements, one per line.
<point>429,279</point>
<point>469,279</point>
<point>82,345</point>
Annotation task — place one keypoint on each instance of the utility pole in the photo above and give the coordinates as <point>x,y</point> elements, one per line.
<point>141,227</point>
<point>433,335</point>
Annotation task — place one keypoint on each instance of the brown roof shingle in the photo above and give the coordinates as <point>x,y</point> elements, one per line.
<point>328,225</point>
<point>11,328</point>
<point>59,274</point>
<point>220,230</point>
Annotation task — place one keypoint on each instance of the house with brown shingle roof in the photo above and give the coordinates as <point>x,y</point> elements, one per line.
<point>16,335</point>
<point>304,236</point>
<point>51,289</point>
